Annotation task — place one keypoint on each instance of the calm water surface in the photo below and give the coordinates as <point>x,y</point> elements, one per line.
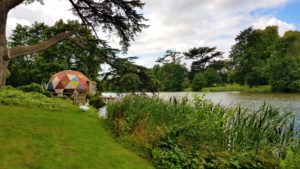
<point>286,101</point>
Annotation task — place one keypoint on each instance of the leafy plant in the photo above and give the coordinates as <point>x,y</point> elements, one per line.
<point>13,97</point>
<point>33,87</point>
<point>97,101</point>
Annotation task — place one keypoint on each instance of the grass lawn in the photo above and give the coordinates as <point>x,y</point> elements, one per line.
<point>68,139</point>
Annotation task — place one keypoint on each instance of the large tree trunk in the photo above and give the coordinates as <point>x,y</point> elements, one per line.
<point>3,51</point>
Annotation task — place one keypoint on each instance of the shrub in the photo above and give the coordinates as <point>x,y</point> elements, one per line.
<point>33,87</point>
<point>97,101</point>
<point>199,82</point>
<point>14,97</point>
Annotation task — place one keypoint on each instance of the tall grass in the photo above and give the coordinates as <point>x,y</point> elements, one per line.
<point>265,128</point>
<point>202,134</point>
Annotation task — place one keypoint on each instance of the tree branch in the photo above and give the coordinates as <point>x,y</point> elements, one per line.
<point>26,50</point>
<point>13,3</point>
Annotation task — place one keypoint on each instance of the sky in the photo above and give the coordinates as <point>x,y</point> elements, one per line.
<point>180,24</point>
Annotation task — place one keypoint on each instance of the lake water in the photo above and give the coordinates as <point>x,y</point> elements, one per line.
<point>286,101</point>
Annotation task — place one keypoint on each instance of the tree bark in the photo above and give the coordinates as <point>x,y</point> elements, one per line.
<point>26,50</point>
<point>3,63</point>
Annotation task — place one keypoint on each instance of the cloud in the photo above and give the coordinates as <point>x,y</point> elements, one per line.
<point>267,21</point>
<point>175,24</point>
<point>49,13</point>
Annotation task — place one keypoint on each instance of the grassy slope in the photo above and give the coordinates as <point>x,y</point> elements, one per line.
<point>40,138</point>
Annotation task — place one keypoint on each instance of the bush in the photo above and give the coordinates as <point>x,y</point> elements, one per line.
<point>33,87</point>
<point>13,97</point>
<point>199,82</point>
<point>97,101</point>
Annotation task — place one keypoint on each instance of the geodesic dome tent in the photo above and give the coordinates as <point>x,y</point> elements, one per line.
<point>69,81</point>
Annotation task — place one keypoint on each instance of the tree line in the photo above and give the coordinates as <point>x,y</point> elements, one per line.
<point>258,57</point>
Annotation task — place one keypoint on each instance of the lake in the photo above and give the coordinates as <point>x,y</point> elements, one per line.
<point>286,101</point>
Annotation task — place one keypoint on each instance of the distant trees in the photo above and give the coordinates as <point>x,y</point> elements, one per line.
<point>172,73</point>
<point>129,82</point>
<point>207,78</point>
<point>174,76</point>
<point>258,57</point>
<point>283,68</point>
<point>171,76</point>
<point>124,76</point>
<point>250,54</point>
<point>171,56</point>
<point>201,57</point>
<point>263,57</point>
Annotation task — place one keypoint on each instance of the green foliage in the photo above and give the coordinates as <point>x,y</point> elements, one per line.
<point>13,97</point>
<point>265,127</point>
<point>237,87</point>
<point>39,67</point>
<point>125,71</point>
<point>129,82</point>
<point>208,78</point>
<point>250,55</point>
<point>33,87</point>
<point>199,82</point>
<point>186,83</point>
<point>201,134</point>
<point>171,76</point>
<point>291,159</point>
<point>97,101</point>
<point>212,76</point>
<point>201,58</point>
<point>283,67</point>
<point>171,57</point>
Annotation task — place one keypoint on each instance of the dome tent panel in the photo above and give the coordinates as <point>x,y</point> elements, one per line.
<point>59,86</point>
<point>65,81</point>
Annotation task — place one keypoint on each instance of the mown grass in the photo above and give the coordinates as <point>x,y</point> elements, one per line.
<point>57,136</point>
<point>237,87</point>
<point>204,135</point>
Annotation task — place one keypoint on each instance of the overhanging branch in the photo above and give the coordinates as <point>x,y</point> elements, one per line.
<point>12,3</point>
<point>26,50</point>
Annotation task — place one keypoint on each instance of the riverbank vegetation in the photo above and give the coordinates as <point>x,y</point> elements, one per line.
<point>237,87</point>
<point>203,135</point>
<point>41,132</point>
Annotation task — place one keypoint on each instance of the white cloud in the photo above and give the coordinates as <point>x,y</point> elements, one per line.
<point>175,24</point>
<point>49,13</point>
<point>266,21</point>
